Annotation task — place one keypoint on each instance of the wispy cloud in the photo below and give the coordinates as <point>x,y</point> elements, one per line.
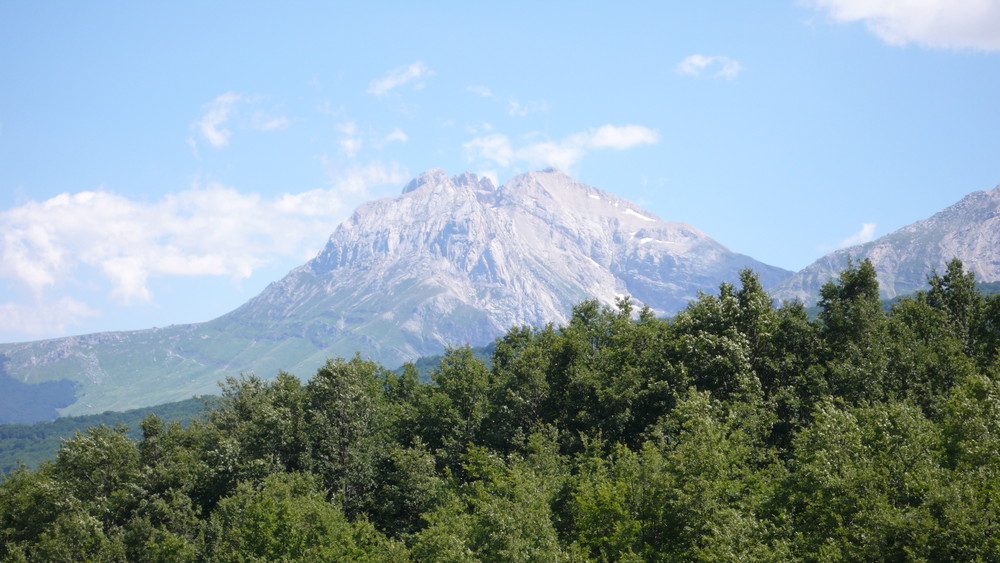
<point>518,109</point>
<point>41,317</point>
<point>515,107</point>
<point>865,234</point>
<point>482,91</point>
<point>563,154</point>
<point>620,138</point>
<point>223,112</point>
<point>350,140</point>
<point>207,230</point>
<point>719,66</point>
<point>262,121</point>
<point>357,180</point>
<point>353,138</point>
<point>411,73</point>
<point>212,125</point>
<point>955,24</point>
<point>396,135</point>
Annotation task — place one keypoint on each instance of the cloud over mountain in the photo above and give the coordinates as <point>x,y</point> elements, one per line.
<point>563,154</point>
<point>208,230</point>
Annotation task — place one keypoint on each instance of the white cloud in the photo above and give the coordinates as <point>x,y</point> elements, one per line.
<point>517,109</point>
<point>396,134</point>
<point>413,72</point>
<point>955,24</point>
<point>495,147</point>
<point>620,138</point>
<point>356,180</point>
<point>482,91</point>
<point>564,154</point>
<point>866,234</point>
<point>264,122</point>
<point>723,67</point>
<point>353,139</point>
<point>350,142</point>
<point>40,318</point>
<point>214,125</point>
<point>208,230</point>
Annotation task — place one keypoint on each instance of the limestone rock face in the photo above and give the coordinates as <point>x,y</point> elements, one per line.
<point>968,230</point>
<point>456,260</point>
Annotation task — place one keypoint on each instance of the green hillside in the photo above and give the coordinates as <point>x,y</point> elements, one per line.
<point>32,444</point>
<point>125,370</point>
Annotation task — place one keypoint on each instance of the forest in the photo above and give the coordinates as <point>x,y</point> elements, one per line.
<point>32,444</point>
<point>737,430</point>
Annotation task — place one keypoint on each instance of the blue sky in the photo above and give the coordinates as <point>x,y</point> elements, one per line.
<point>162,163</point>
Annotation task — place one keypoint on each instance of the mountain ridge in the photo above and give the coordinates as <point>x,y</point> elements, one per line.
<point>478,252</point>
<point>447,261</point>
<point>968,229</point>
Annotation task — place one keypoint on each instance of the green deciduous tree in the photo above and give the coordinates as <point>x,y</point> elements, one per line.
<point>867,483</point>
<point>348,429</point>
<point>956,295</point>
<point>260,427</point>
<point>854,328</point>
<point>287,517</point>
<point>450,412</point>
<point>502,512</point>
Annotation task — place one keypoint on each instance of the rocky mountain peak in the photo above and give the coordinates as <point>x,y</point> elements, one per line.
<point>436,179</point>
<point>457,259</point>
<point>471,180</point>
<point>968,230</point>
<point>432,177</point>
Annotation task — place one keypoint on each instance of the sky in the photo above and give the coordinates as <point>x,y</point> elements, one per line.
<point>161,163</point>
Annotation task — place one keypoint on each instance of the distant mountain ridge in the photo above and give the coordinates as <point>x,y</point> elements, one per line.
<point>449,261</point>
<point>968,230</point>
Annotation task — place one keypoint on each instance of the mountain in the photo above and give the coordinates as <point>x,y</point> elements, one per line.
<point>458,259</point>
<point>968,230</point>
<point>449,261</point>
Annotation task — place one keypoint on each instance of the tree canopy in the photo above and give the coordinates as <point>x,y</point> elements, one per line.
<point>737,430</point>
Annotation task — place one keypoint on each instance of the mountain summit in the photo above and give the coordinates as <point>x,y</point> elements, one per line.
<point>968,230</point>
<point>449,261</point>
<point>455,260</point>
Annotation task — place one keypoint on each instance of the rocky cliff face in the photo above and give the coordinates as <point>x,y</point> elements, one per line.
<point>455,260</point>
<point>968,230</point>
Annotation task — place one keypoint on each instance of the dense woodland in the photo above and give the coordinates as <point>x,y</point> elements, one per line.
<point>32,444</point>
<point>734,431</point>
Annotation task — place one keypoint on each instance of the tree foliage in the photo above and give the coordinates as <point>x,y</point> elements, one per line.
<point>737,430</point>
